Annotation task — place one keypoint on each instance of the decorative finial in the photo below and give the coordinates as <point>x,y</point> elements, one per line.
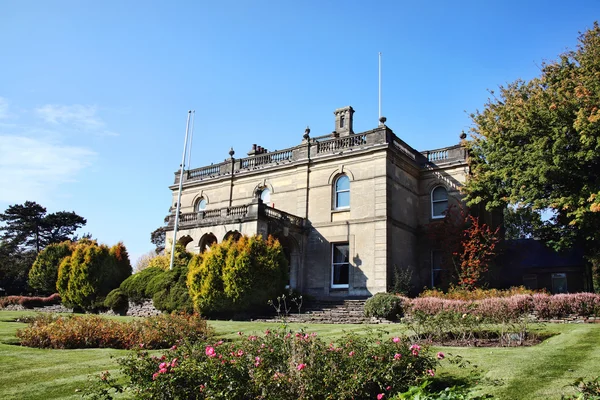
<point>231,152</point>
<point>382,120</point>
<point>306,133</point>
<point>463,135</point>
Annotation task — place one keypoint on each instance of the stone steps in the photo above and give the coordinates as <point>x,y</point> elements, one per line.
<point>331,312</point>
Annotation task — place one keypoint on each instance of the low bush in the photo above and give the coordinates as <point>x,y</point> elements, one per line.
<point>135,287</point>
<point>384,305</point>
<point>503,309</point>
<point>117,301</point>
<point>458,293</point>
<point>77,332</point>
<point>280,365</point>
<point>30,301</point>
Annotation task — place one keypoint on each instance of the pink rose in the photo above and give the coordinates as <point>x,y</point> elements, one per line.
<point>210,351</point>
<point>380,396</point>
<point>396,339</point>
<point>397,356</point>
<point>440,355</point>
<point>300,367</point>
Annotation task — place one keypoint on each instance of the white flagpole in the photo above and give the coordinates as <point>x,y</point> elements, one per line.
<point>187,126</point>
<point>379,84</point>
<point>189,159</point>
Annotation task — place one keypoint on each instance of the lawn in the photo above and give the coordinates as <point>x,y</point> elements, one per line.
<point>539,372</point>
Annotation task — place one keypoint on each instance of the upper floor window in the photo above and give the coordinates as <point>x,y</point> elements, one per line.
<point>439,202</point>
<point>342,192</point>
<point>265,196</point>
<point>201,204</point>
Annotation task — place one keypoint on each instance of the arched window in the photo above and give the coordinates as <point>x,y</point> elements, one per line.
<point>439,202</point>
<point>201,204</point>
<point>265,196</point>
<point>342,192</point>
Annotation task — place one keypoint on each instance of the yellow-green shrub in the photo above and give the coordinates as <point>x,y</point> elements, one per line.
<point>238,276</point>
<point>90,274</point>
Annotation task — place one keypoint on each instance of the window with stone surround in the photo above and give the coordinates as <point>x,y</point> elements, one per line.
<point>342,192</point>
<point>265,196</point>
<point>340,265</point>
<point>201,204</point>
<point>439,202</point>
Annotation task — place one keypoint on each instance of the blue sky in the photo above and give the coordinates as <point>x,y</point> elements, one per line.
<point>94,95</point>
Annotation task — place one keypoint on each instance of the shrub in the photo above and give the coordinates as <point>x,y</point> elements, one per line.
<point>281,365</point>
<point>91,272</point>
<point>90,331</point>
<point>458,293</point>
<point>30,302</point>
<point>135,287</point>
<point>44,271</point>
<point>205,280</point>
<point>384,305</point>
<point>117,301</point>
<point>170,292</point>
<point>237,276</point>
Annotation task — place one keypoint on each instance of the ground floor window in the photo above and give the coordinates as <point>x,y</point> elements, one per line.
<point>439,276</point>
<point>559,283</point>
<point>340,265</point>
<point>530,281</point>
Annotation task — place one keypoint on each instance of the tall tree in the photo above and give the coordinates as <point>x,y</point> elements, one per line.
<point>27,226</point>
<point>536,145</point>
<point>158,237</point>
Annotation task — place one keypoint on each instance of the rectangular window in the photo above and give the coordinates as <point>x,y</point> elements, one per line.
<point>559,283</point>
<point>437,271</point>
<point>530,281</point>
<point>340,265</point>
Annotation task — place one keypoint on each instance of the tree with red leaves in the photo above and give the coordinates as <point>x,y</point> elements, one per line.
<point>467,245</point>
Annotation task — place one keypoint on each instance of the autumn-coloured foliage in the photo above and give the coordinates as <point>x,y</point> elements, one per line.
<point>467,245</point>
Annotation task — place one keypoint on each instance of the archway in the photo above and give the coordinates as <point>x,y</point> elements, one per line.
<point>233,235</point>
<point>207,240</point>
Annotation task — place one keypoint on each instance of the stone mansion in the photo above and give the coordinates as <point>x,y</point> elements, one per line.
<point>349,208</point>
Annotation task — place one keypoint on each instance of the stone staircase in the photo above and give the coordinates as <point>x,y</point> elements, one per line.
<point>331,311</point>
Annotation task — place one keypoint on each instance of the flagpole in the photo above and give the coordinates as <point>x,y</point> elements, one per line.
<point>187,126</point>
<point>379,84</point>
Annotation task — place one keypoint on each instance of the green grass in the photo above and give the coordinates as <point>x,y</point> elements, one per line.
<point>538,372</point>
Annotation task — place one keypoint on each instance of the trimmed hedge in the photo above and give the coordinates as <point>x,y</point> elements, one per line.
<point>384,305</point>
<point>30,302</point>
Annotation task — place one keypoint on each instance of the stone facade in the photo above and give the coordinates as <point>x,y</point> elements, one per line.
<point>348,207</point>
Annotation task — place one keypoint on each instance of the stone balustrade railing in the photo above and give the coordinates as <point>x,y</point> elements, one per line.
<point>314,148</point>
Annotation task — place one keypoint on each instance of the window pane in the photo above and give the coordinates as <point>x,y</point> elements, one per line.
<point>559,283</point>
<point>201,204</point>
<point>343,183</point>
<point>439,193</point>
<point>265,196</point>
<point>340,253</point>
<point>439,208</point>
<point>342,199</point>
<point>340,274</point>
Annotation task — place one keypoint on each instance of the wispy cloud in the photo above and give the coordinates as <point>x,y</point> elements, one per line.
<point>33,168</point>
<point>81,116</point>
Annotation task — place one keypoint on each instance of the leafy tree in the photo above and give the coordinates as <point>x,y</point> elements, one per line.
<point>536,145</point>
<point>521,223</point>
<point>44,272</point>
<point>14,266</point>
<point>27,226</point>
<point>158,237</point>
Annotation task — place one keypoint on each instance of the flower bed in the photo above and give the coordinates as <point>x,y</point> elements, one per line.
<point>280,365</point>
<point>75,332</point>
